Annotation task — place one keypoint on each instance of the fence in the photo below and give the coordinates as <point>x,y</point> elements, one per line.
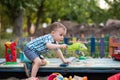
<point>98,47</point>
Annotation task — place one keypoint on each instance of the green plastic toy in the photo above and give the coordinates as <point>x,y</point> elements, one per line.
<point>82,58</point>
<point>77,46</point>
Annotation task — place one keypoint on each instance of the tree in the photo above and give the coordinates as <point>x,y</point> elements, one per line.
<point>38,11</point>
<point>114,9</point>
<point>15,11</point>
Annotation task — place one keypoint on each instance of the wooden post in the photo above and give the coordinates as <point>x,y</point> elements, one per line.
<point>110,46</point>
<point>83,38</point>
<point>74,39</point>
<point>92,46</point>
<point>66,40</point>
<point>102,46</point>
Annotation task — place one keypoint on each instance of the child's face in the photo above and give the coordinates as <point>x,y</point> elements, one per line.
<point>58,34</point>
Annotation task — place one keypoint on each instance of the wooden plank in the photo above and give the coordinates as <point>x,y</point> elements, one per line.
<point>88,65</point>
<point>2,61</point>
<point>115,45</point>
<point>17,65</point>
<point>12,65</point>
<point>54,62</point>
<point>97,65</point>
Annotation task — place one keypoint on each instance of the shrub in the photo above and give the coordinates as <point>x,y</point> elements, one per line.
<point>2,47</point>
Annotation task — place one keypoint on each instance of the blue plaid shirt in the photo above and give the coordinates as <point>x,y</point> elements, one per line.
<point>38,45</point>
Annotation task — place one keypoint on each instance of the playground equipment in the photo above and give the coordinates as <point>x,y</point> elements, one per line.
<point>114,48</point>
<point>10,52</point>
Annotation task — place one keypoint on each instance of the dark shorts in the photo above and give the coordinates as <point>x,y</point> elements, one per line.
<point>31,55</point>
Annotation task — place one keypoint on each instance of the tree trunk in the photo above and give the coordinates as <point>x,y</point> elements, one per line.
<point>18,24</point>
<point>28,24</point>
<point>39,14</point>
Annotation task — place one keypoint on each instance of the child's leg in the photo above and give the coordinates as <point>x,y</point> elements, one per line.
<point>36,64</point>
<point>44,62</point>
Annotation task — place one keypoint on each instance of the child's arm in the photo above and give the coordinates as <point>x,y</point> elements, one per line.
<point>60,54</point>
<point>58,51</point>
<point>55,46</point>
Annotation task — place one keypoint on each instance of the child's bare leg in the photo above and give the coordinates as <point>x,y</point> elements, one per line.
<point>44,62</point>
<point>36,64</point>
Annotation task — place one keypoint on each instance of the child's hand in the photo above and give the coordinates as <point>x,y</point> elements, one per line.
<point>67,62</point>
<point>64,46</point>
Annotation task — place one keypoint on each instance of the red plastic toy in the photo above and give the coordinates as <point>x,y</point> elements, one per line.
<point>116,55</point>
<point>10,51</point>
<point>114,77</point>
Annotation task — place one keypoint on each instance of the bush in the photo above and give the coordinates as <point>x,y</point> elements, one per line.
<point>6,35</point>
<point>2,47</point>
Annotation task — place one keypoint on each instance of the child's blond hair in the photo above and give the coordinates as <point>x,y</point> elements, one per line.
<point>57,25</point>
